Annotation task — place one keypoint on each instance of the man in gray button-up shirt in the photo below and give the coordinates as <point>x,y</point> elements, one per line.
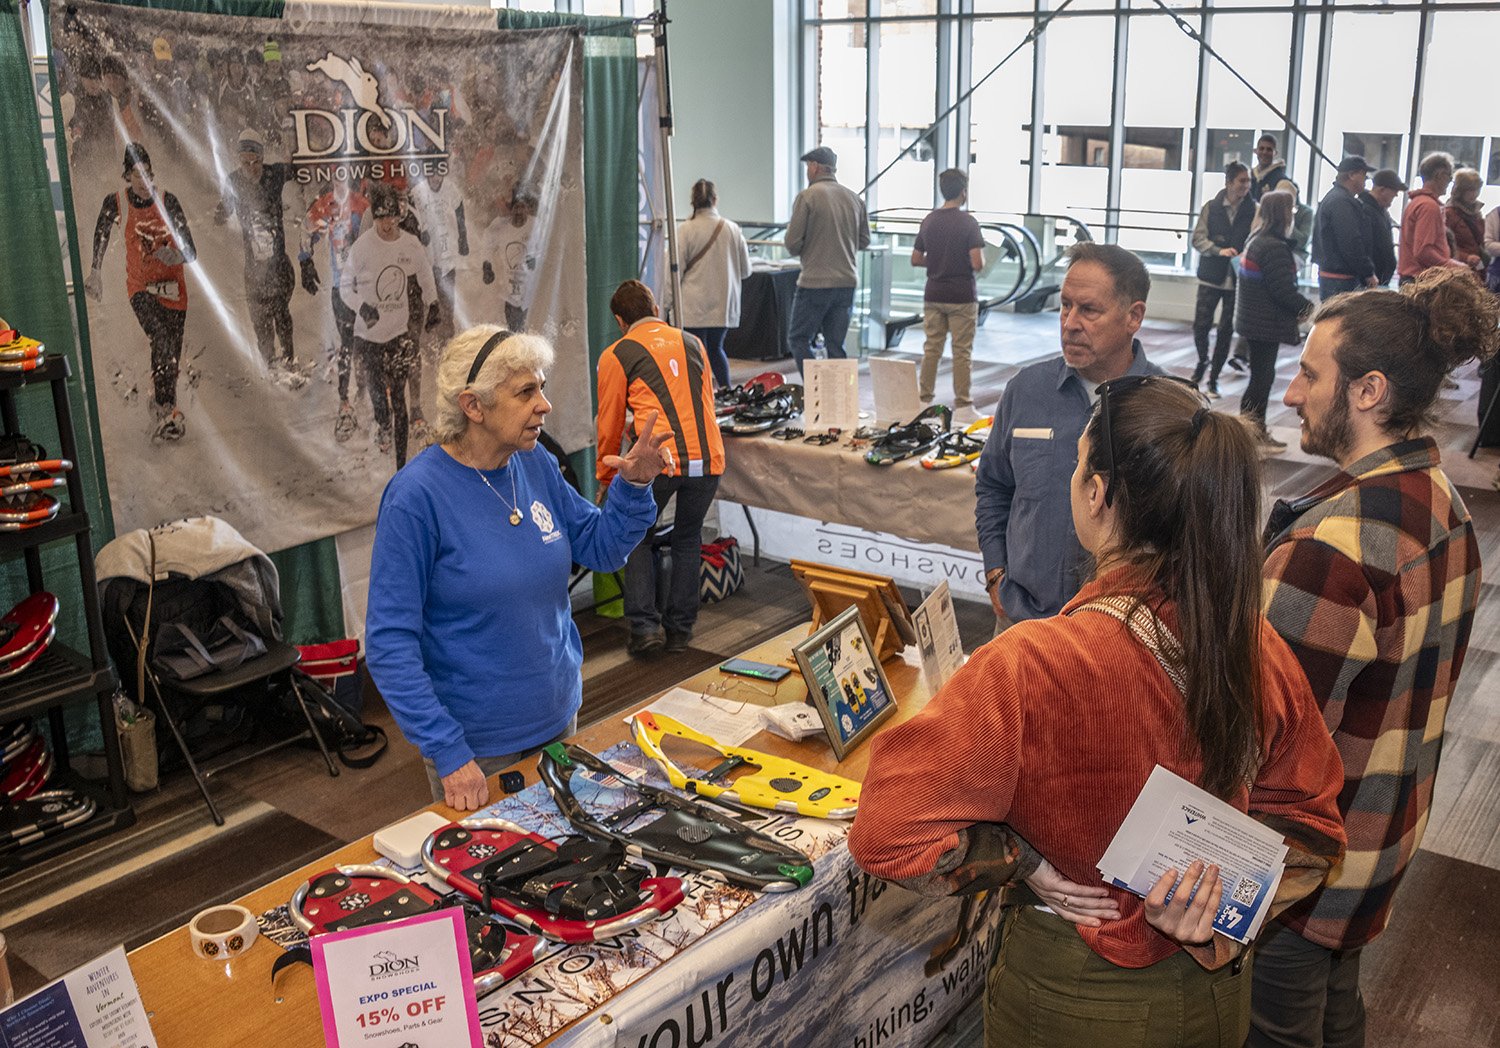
<point>1022,510</point>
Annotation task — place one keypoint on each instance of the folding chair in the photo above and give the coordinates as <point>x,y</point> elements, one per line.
<point>217,600</point>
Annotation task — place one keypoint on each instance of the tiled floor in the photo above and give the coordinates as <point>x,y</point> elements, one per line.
<point>1429,981</point>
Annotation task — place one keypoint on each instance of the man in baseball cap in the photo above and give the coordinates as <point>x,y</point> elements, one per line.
<point>1377,201</point>
<point>1353,163</point>
<point>1340,242</point>
<point>829,227</point>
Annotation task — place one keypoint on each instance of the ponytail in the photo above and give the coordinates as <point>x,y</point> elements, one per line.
<point>704,195</point>
<point>1187,492</point>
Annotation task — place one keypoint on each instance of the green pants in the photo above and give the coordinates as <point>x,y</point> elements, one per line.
<point>1047,987</point>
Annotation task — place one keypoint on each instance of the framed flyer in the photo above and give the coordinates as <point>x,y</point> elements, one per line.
<point>845,681</point>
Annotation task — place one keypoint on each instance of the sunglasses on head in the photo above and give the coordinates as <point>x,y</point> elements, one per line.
<point>1112,390</point>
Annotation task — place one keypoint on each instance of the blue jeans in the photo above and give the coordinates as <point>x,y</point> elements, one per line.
<point>694,496</point>
<point>820,309</point>
<point>713,343</point>
<point>1330,286</point>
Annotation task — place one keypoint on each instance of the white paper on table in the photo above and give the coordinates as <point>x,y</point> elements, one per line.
<point>941,647</point>
<point>727,721</point>
<point>831,395</point>
<point>94,1006</point>
<point>895,382</point>
<point>1174,822</point>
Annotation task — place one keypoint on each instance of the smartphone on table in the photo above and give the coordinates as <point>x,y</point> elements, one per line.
<point>758,670</point>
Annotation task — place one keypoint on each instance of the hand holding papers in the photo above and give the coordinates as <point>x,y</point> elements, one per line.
<point>1174,824</point>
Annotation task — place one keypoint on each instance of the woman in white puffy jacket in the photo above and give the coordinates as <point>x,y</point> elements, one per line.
<point>714,261</point>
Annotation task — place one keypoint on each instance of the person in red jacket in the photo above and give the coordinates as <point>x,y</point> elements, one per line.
<point>1424,234</point>
<point>1040,745</point>
<point>158,246</point>
<point>1464,217</point>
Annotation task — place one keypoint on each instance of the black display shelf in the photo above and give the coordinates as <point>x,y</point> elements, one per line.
<point>52,369</point>
<point>62,675</point>
<point>62,526</point>
<point>106,820</point>
<point>59,677</point>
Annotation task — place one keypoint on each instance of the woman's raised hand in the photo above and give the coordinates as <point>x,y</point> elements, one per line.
<point>648,457</point>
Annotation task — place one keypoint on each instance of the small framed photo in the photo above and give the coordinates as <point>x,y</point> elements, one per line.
<point>845,681</point>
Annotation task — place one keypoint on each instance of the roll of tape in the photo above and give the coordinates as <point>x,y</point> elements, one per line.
<point>222,932</point>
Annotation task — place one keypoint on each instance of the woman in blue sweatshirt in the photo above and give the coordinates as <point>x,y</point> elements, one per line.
<point>470,636</point>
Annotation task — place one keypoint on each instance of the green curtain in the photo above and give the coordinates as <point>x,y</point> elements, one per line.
<point>34,299</point>
<point>611,170</point>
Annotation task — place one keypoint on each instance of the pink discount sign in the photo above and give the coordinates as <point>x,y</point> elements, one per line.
<point>407,982</point>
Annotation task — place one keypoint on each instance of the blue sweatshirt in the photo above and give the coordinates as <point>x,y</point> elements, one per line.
<point>470,637</point>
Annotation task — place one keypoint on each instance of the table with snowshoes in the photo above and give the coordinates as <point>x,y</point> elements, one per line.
<point>607,906</point>
<point>914,479</point>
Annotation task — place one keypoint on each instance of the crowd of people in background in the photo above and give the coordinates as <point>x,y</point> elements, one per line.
<point>1348,238</point>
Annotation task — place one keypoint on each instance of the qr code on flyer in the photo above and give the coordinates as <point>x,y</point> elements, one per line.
<point>1246,891</point>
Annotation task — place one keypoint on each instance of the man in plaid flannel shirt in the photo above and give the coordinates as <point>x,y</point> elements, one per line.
<point>1372,579</point>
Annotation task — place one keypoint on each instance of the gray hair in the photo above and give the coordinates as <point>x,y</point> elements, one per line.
<point>515,353</point>
<point>1434,164</point>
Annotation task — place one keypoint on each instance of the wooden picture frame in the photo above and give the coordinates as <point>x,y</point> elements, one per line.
<point>845,681</point>
<point>881,606</point>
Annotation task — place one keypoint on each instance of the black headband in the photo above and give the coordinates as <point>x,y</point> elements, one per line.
<point>484,354</point>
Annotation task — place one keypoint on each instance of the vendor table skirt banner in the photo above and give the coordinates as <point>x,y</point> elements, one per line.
<point>283,220</point>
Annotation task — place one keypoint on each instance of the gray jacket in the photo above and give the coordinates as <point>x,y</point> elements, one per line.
<point>828,227</point>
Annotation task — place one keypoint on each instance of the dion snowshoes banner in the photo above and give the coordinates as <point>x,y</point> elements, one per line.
<point>284,220</point>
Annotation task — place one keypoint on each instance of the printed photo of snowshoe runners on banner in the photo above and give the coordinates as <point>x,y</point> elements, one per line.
<point>283,220</point>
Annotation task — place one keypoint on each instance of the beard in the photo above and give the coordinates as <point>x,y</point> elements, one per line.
<point>1334,433</point>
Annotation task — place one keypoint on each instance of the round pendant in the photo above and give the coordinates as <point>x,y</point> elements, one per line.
<point>515,517</point>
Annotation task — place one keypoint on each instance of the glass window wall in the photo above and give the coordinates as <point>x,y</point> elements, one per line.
<point>1134,122</point>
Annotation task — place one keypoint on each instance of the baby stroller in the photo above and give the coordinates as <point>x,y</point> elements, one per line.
<point>192,619</point>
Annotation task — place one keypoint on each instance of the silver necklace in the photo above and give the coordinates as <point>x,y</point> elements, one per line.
<point>514,505</point>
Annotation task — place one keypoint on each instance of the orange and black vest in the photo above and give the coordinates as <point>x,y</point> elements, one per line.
<point>657,367</point>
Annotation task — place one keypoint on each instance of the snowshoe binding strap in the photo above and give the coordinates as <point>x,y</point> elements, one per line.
<point>903,441</point>
<point>957,447</point>
<point>579,890</point>
<point>763,383</point>
<point>356,897</point>
<point>683,834</point>
<point>766,411</point>
<point>778,785</point>
<point>360,896</point>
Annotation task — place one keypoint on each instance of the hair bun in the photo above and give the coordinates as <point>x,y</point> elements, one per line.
<point>1461,315</point>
